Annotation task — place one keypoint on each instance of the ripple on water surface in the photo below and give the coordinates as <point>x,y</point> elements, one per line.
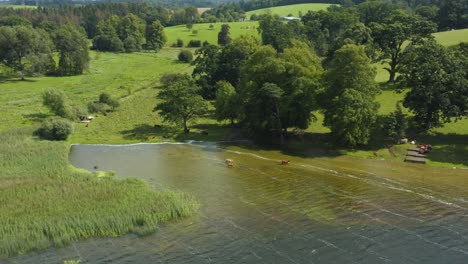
<point>339,210</point>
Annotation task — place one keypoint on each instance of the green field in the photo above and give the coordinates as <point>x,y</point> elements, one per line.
<point>206,34</point>
<point>288,10</point>
<point>453,37</point>
<point>118,74</point>
<point>18,6</point>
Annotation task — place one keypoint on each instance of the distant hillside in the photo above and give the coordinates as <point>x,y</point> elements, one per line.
<point>452,37</point>
<point>164,3</point>
<point>289,9</point>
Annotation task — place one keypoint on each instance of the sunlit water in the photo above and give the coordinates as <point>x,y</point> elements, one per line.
<point>322,210</point>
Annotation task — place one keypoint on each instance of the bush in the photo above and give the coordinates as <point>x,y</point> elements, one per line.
<point>56,101</point>
<point>55,129</point>
<point>194,32</point>
<point>185,56</point>
<point>180,43</point>
<point>194,44</point>
<point>96,107</point>
<point>105,98</point>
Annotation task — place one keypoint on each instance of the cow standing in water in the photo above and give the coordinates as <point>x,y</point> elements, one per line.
<point>229,163</point>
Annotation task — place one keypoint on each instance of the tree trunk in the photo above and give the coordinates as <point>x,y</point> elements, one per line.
<point>392,76</point>
<point>22,68</point>
<point>279,123</point>
<point>186,130</point>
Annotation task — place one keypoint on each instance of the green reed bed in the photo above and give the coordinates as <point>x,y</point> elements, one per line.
<point>46,202</point>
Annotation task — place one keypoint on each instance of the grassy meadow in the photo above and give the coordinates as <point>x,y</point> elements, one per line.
<point>294,10</point>
<point>452,37</point>
<point>118,74</point>
<point>211,35</point>
<point>46,202</point>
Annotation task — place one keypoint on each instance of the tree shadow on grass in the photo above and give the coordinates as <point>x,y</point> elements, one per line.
<point>7,80</point>
<point>449,148</point>
<point>37,117</point>
<point>146,132</point>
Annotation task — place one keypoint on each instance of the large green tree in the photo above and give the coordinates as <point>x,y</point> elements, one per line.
<point>72,45</point>
<point>226,104</point>
<point>453,14</point>
<point>293,79</point>
<point>275,32</point>
<point>206,69</point>
<point>20,42</point>
<point>180,100</point>
<point>349,106</point>
<point>155,36</point>
<point>390,35</point>
<point>223,35</point>
<point>438,79</point>
<point>106,38</point>
<point>322,28</point>
<point>131,30</point>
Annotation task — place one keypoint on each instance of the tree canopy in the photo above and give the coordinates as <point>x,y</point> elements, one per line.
<point>438,81</point>
<point>180,100</point>
<point>350,109</point>
<point>19,43</point>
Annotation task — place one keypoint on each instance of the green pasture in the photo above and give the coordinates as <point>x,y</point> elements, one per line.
<point>204,33</point>
<point>452,37</point>
<point>288,10</point>
<point>18,6</point>
<point>118,74</point>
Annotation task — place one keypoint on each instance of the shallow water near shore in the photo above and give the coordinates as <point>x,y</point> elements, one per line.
<point>320,210</point>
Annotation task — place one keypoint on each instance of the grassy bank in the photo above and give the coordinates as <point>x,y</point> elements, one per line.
<point>46,202</point>
<point>289,9</point>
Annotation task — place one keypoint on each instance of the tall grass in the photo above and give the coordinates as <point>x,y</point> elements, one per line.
<point>46,202</point>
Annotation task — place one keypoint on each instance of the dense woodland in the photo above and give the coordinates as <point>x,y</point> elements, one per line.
<point>321,63</point>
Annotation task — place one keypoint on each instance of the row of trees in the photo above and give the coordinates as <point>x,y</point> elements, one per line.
<point>268,91</point>
<point>447,14</point>
<point>30,51</point>
<point>276,86</point>
<point>128,34</point>
<point>382,29</point>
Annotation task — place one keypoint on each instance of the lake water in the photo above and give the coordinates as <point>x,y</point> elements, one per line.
<point>321,210</point>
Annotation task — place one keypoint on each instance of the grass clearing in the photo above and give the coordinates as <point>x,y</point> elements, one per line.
<point>46,202</point>
<point>289,10</point>
<point>119,74</point>
<point>18,6</point>
<point>452,37</point>
<point>211,35</point>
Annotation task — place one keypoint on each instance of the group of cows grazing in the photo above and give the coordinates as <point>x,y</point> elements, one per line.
<point>230,162</point>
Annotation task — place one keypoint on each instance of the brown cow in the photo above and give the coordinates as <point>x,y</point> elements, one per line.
<point>229,163</point>
<point>284,162</point>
